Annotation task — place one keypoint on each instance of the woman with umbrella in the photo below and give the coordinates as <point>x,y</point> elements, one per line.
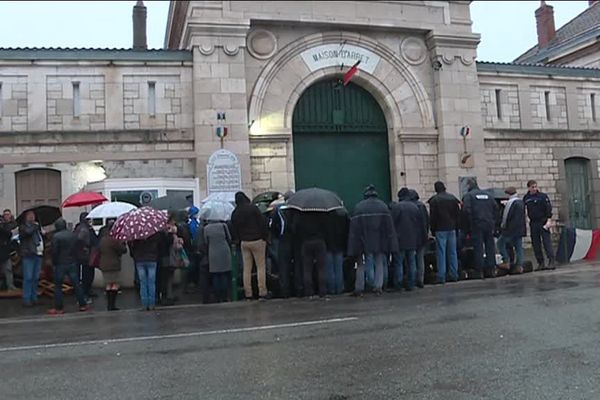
<point>141,228</point>
<point>111,251</point>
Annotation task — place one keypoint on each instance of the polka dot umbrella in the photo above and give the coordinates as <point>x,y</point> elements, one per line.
<point>138,224</point>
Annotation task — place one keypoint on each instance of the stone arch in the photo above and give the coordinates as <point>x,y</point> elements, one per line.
<point>281,83</point>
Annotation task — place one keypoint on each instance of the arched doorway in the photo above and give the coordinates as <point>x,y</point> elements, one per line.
<point>340,141</point>
<point>38,186</point>
<point>579,194</point>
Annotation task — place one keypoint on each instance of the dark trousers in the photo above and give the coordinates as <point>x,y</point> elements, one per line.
<point>69,270</point>
<point>285,264</point>
<point>540,235</point>
<point>87,279</point>
<point>192,273</point>
<point>314,253</point>
<point>204,281</point>
<point>220,283</point>
<point>483,238</point>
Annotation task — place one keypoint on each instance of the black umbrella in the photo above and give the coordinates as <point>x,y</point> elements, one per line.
<point>315,199</point>
<point>170,203</point>
<point>44,215</point>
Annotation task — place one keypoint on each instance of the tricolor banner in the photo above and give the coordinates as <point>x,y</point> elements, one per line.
<point>578,244</point>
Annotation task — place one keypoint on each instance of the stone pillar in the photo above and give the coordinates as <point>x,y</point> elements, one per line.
<point>457,103</point>
<point>219,85</point>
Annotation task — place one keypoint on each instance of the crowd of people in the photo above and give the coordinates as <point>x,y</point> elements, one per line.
<point>305,250</point>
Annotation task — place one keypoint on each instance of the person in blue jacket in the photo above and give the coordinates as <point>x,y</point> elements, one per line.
<point>539,211</point>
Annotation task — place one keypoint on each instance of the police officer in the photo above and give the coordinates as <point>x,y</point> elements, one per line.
<point>539,211</point>
<point>481,211</point>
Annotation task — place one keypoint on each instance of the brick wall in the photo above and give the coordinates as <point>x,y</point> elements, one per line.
<point>509,106</point>
<point>13,103</point>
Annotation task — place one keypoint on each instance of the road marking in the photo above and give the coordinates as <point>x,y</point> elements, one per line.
<point>177,335</point>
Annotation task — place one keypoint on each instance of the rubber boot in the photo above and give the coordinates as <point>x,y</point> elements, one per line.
<point>115,293</point>
<point>109,300</point>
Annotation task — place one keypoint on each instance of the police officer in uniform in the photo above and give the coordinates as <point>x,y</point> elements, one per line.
<point>539,211</point>
<point>481,211</point>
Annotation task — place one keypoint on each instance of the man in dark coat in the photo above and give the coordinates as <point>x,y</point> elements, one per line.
<point>539,211</point>
<point>422,234</point>
<point>445,212</point>
<point>7,224</point>
<point>64,260</point>
<point>88,242</point>
<point>337,240</point>
<point>250,230</point>
<point>279,224</point>
<point>512,231</point>
<point>481,211</point>
<point>407,219</point>
<point>310,229</point>
<point>371,239</point>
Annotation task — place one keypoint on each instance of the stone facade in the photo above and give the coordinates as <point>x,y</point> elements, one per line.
<point>13,103</point>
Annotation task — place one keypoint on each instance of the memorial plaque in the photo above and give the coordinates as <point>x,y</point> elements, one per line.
<point>224,173</point>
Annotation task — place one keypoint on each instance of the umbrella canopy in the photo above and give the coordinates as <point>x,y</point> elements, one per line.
<point>44,215</point>
<point>315,199</point>
<point>275,203</point>
<point>216,211</point>
<point>111,210</point>
<point>266,197</point>
<point>82,199</point>
<point>221,196</point>
<point>170,203</point>
<point>138,224</point>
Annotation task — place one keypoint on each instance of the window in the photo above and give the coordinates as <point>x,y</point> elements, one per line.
<point>498,104</point>
<point>592,104</point>
<point>152,98</point>
<point>547,103</point>
<point>76,100</point>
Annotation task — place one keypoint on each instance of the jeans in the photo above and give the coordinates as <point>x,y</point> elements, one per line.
<point>31,275</point>
<point>335,272</point>
<point>446,252</point>
<point>540,235</point>
<point>483,238</point>
<point>147,274</point>
<point>255,252</point>
<point>220,283</point>
<point>399,259</point>
<point>72,272</point>
<point>87,278</point>
<point>515,242</point>
<point>7,269</point>
<point>371,271</point>
<point>314,253</point>
<point>421,265</point>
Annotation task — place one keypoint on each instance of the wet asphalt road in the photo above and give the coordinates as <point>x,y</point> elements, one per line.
<point>530,337</point>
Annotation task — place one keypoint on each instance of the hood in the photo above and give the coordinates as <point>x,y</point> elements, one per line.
<point>83,217</point>
<point>403,194</point>
<point>241,198</point>
<point>413,195</point>
<point>61,224</point>
<point>439,187</point>
<point>194,211</point>
<point>370,192</point>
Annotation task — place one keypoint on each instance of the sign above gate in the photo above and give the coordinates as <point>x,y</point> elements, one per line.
<point>336,55</point>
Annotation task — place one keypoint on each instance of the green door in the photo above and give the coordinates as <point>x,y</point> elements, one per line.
<point>340,142</point>
<point>578,192</point>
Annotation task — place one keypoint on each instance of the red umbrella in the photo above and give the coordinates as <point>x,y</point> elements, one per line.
<point>138,224</point>
<point>83,199</point>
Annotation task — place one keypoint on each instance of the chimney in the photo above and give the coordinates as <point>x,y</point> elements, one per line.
<point>544,18</point>
<point>139,26</point>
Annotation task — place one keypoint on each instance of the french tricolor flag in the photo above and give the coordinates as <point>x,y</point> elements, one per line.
<point>578,244</point>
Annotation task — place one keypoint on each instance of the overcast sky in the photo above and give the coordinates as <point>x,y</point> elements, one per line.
<point>507,28</point>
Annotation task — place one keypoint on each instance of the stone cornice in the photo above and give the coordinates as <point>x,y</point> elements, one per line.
<point>542,134</point>
<point>467,41</point>
<point>270,138</point>
<point>50,138</point>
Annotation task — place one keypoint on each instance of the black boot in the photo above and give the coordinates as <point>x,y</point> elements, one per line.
<point>115,293</point>
<point>109,301</point>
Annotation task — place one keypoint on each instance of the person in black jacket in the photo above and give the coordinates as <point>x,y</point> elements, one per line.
<point>512,230</point>
<point>539,211</point>
<point>64,260</point>
<point>249,228</point>
<point>481,211</point>
<point>445,210</point>
<point>88,241</point>
<point>310,229</point>
<point>423,236</point>
<point>7,224</point>
<point>336,239</point>
<point>407,219</point>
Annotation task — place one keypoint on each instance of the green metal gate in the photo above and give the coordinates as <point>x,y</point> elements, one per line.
<point>578,192</point>
<point>340,141</point>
